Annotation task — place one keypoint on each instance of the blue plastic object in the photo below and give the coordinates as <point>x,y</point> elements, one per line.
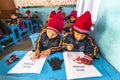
<point>33,38</point>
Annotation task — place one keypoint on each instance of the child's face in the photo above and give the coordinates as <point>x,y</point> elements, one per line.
<point>72,19</point>
<point>13,16</point>
<point>59,10</point>
<point>36,14</point>
<point>79,36</point>
<point>26,14</point>
<point>17,11</point>
<point>51,34</point>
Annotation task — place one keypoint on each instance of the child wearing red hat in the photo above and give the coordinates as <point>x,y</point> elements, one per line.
<point>27,14</point>
<point>70,20</point>
<point>50,15</point>
<point>59,9</point>
<point>50,40</point>
<point>80,41</point>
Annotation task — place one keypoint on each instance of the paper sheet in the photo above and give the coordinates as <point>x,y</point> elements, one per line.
<point>26,65</point>
<point>75,70</point>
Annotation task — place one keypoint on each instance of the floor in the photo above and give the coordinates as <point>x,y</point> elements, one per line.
<point>24,44</point>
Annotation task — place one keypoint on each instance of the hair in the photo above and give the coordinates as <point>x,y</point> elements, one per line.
<point>16,9</point>
<point>36,11</point>
<point>13,13</point>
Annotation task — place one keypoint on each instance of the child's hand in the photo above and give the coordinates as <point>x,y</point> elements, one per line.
<point>45,53</point>
<point>69,47</point>
<point>36,54</point>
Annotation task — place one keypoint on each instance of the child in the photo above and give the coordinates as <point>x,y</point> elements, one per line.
<point>59,9</point>
<point>19,18</point>
<point>4,29</point>
<point>19,15</point>
<point>35,14</point>
<point>27,14</point>
<point>50,15</point>
<point>1,32</point>
<point>79,40</point>
<point>50,40</point>
<point>71,20</point>
<point>13,21</point>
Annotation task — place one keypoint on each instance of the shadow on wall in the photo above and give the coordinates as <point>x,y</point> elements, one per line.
<point>99,29</point>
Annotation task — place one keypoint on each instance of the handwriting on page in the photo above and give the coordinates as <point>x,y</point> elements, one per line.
<point>28,65</point>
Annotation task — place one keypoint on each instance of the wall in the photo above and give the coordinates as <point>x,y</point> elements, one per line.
<point>43,12</point>
<point>107,31</point>
<point>6,8</point>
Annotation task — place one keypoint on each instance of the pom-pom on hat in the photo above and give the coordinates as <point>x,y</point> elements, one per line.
<point>56,23</point>
<point>83,23</point>
<point>52,13</point>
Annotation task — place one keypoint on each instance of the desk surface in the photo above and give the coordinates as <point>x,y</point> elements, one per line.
<point>108,72</point>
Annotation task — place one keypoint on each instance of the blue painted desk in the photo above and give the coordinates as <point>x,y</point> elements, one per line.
<point>31,26</point>
<point>5,38</point>
<point>36,22</point>
<point>13,28</point>
<point>108,72</point>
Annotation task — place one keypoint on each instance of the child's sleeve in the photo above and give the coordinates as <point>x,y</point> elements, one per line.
<point>37,43</point>
<point>91,47</point>
<point>66,41</point>
<point>57,47</point>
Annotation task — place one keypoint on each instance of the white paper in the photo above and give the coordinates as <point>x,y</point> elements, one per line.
<point>27,65</point>
<point>75,70</point>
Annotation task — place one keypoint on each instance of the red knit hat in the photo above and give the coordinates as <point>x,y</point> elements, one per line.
<point>27,12</point>
<point>56,23</point>
<point>52,13</point>
<point>73,13</point>
<point>83,23</point>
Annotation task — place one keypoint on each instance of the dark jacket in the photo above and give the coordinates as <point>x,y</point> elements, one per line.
<point>67,29</point>
<point>19,15</point>
<point>4,28</point>
<point>86,45</point>
<point>13,21</point>
<point>43,42</point>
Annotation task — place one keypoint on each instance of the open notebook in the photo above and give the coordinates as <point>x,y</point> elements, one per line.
<point>75,70</point>
<point>27,65</point>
